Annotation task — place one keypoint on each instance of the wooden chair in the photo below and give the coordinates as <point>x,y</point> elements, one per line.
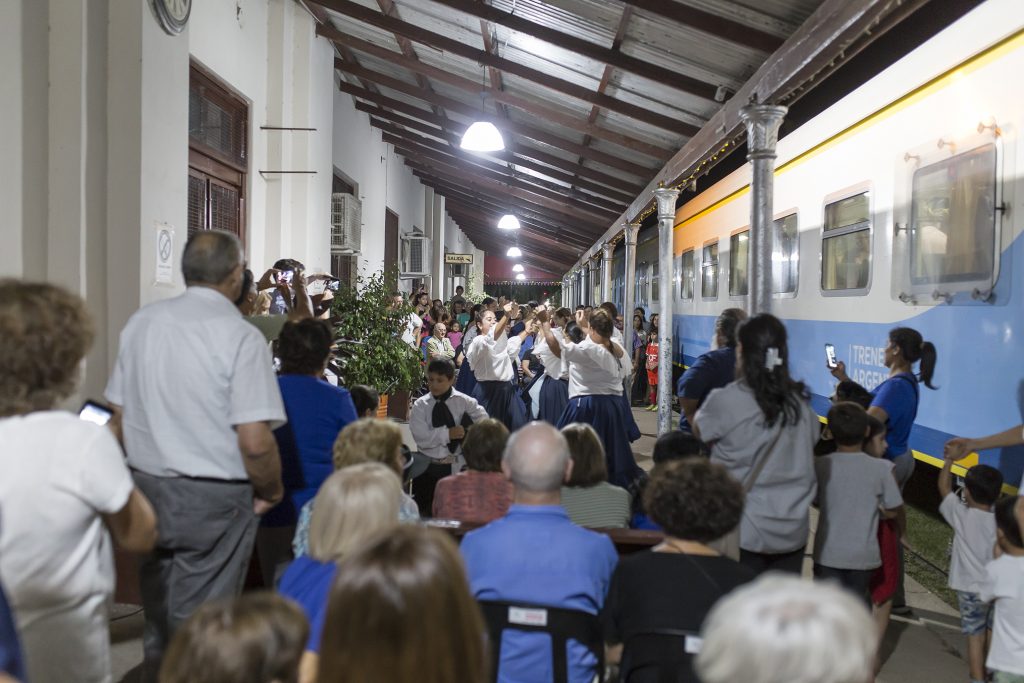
<point>562,625</point>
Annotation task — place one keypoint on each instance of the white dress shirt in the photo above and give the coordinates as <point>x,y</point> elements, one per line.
<point>433,441</point>
<point>617,337</point>
<point>188,371</point>
<point>489,358</point>
<point>593,370</point>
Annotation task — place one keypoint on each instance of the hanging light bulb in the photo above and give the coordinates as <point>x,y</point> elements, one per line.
<point>520,276</point>
<point>517,268</point>
<point>514,252</point>
<point>508,222</point>
<point>482,135</point>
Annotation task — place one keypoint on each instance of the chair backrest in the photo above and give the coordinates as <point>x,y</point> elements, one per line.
<point>673,662</point>
<point>561,624</point>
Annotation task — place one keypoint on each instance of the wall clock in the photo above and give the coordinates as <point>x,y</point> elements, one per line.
<point>172,14</point>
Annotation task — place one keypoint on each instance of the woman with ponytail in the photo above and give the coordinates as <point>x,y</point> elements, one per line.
<point>490,354</point>
<point>895,400</point>
<point>597,368</point>
<point>762,429</point>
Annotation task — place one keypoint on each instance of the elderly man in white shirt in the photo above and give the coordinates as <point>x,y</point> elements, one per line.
<point>196,394</point>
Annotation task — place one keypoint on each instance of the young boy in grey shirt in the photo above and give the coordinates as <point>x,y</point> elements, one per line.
<point>854,489</point>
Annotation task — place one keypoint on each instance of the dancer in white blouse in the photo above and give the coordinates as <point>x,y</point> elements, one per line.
<point>597,368</point>
<point>489,355</point>
<point>549,391</point>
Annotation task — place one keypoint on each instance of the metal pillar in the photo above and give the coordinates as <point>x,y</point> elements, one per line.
<point>763,123</point>
<point>606,272</point>
<point>666,198</point>
<point>630,231</point>
<point>595,279</point>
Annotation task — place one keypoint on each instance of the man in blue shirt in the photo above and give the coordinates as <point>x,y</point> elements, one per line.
<point>713,370</point>
<point>536,555</point>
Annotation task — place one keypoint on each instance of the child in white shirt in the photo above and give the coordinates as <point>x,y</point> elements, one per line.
<point>974,537</point>
<point>1003,584</point>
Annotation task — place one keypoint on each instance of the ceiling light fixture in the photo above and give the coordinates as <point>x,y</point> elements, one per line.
<point>482,135</point>
<point>514,252</point>
<point>508,222</point>
<point>517,268</point>
<point>520,276</point>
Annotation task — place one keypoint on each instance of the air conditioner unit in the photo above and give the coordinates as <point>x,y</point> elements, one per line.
<point>415,255</point>
<point>346,223</point>
<point>460,270</point>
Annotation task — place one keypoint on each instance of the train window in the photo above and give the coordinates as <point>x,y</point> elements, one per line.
<point>709,271</point>
<point>739,263</point>
<point>686,276</point>
<point>846,244</point>
<point>785,255</point>
<point>953,218</point>
<point>654,283</point>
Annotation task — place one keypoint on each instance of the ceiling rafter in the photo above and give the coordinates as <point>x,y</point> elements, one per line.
<point>562,86</point>
<point>620,34</point>
<point>485,239</point>
<point>709,23</point>
<point>497,85</point>
<point>516,189</point>
<point>468,110</point>
<point>529,106</point>
<point>491,217</point>
<point>405,45</point>
<point>611,57</point>
<point>547,223</point>
<point>442,165</point>
<point>402,138</point>
<point>554,169</point>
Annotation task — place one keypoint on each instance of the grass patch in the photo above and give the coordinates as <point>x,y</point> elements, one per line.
<point>930,537</point>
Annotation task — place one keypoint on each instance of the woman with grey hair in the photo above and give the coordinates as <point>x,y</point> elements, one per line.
<point>783,629</point>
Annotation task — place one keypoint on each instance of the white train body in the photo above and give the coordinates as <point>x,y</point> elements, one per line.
<point>885,181</point>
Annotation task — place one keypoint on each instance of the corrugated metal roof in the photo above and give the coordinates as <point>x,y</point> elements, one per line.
<point>618,111</point>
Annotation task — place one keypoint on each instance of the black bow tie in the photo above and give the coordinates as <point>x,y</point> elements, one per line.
<point>442,417</point>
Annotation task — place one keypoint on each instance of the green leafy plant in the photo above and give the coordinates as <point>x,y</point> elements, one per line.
<point>368,329</point>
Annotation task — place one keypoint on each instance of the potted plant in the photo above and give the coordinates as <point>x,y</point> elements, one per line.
<point>370,347</point>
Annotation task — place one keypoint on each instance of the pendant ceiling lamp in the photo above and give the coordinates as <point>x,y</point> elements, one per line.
<point>482,135</point>
<point>514,252</point>
<point>520,276</point>
<point>508,222</point>
<point>517,268</point>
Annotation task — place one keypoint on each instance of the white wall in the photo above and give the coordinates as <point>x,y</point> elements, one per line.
<point>383,178</point>
<point>95,143</point>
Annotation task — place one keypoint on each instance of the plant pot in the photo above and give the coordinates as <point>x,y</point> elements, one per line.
<point>382,406</point>
<point>399,405</point>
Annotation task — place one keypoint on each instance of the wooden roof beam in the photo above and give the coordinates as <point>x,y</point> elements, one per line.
<point>561,86</point>
<point>513,188</point>
<point>614,58</point>
<point>406,140</point>
<point>520,150</point>
<point>500,96</point>
<point>712,24</point>
<point>431,97</point>
<point>547,223</point>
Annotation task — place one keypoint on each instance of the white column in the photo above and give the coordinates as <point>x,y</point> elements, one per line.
<point>438,281</point>
<point>630,231</point>
<point>666,198</point>
<point>606,272</point>
<point>763,123</point>
<point>594,280</point>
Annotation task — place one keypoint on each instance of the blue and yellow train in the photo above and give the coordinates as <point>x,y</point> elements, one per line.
<point>901,204</point>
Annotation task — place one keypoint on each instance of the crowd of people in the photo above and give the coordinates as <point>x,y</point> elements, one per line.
<point>222,448</point>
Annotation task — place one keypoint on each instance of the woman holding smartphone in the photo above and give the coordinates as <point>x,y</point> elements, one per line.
<point>894,402</point>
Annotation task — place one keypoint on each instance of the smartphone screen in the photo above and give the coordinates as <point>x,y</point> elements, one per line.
<point>286,276</point>
<point>830,356</point>
<point>95,413</point>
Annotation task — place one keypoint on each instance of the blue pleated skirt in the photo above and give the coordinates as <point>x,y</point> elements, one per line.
<point>554,396</point>
<point>466,381</point>
<point>502,402</point>
<point>632,426</point>
<point>610,418</point>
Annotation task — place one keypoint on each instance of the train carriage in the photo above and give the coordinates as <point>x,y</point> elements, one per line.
<point>898,205</point>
